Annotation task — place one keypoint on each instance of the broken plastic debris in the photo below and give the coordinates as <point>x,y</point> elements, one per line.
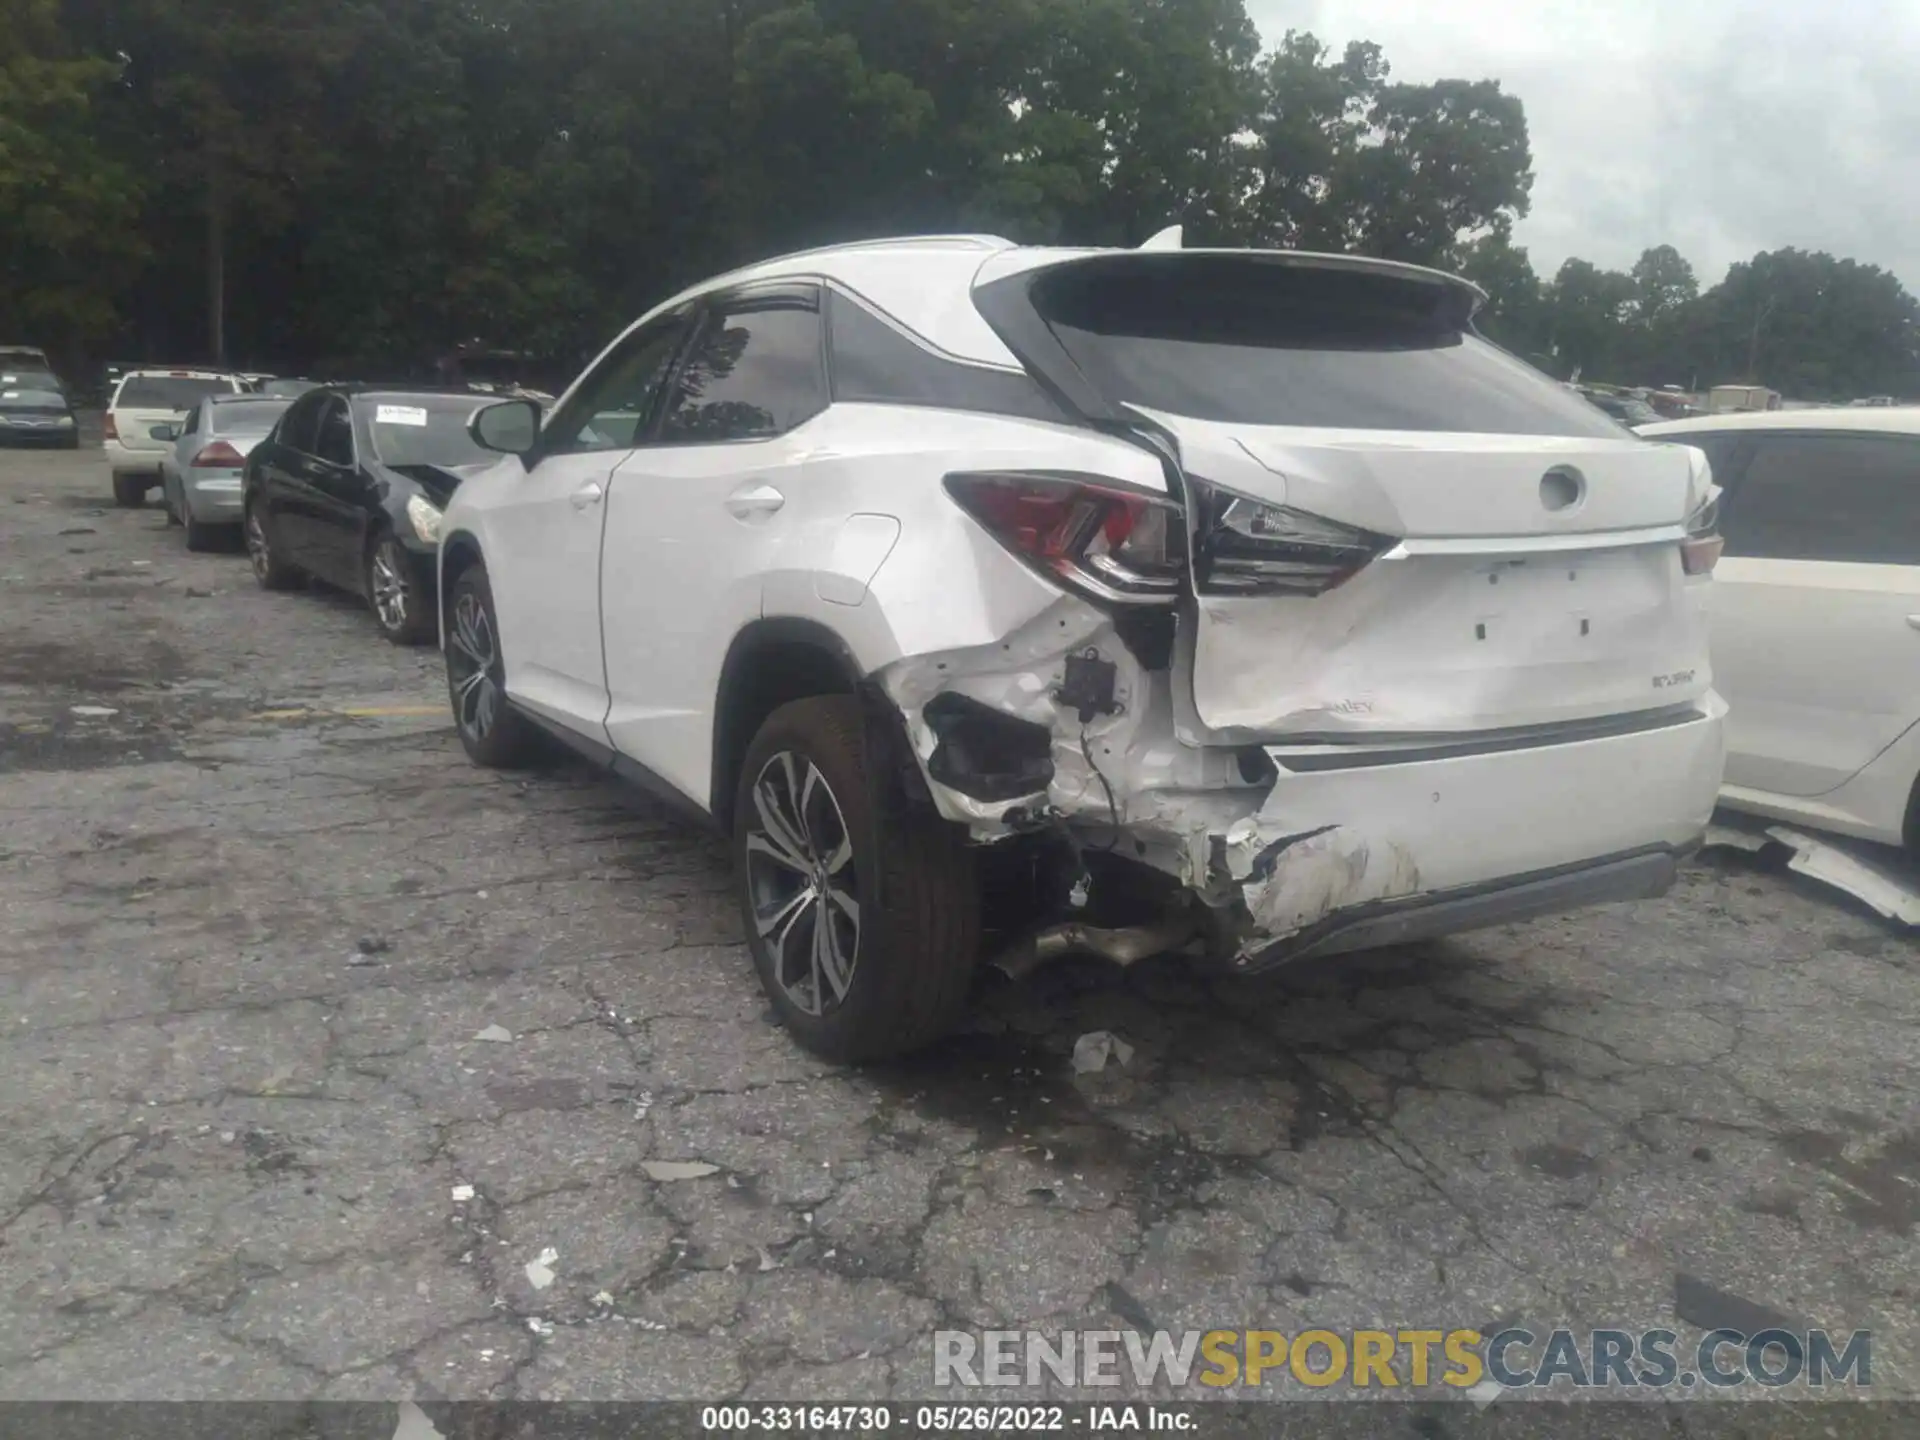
<point>499,1034</point>
<point>1874,875</point>
<point>1093,1049</point>
<point>539,1326</point>
<point>767,1262</point>
<point>92,712</point>
<point>463,1192</point>
<point>540,1268</point>
<point>604,1299</point>
<point>414,1424</point>
<point>666,1170</point>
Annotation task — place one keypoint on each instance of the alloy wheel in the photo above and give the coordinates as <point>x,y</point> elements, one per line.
<point>389,587</point>
<point>258,551</point>
<point>802,883</point>
<point>473,663</point>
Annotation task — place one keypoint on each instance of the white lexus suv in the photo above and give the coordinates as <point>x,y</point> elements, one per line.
<point>1236,602</point>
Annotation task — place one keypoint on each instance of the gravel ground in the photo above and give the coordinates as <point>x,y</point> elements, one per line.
<point>253,1142</point>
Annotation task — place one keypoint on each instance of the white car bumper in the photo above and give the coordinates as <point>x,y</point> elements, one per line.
<point>124,461</point>
<point>1350,857</point>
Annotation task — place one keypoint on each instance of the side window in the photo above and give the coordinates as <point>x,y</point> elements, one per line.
<point>611,408</point>
<point>876,363</point>
<point>754,371</point>
<point>298,425</point>
<point>334,443</point>
<point>1828,497</point>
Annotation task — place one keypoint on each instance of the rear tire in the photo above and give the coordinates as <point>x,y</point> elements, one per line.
<point>901,905</point>
<point>269,569</point>
<point>400,608</point>
<point>202,537</point>
<point>492,732</point>
<point>129,491</point>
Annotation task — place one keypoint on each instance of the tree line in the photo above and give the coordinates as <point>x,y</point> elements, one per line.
<point>362,184</point>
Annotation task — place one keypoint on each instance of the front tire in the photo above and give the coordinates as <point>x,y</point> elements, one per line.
<point>269,569</point>
<point>400,609</point>
<point>861,912</point>
<point>129,491</point>
<point>491,732</point>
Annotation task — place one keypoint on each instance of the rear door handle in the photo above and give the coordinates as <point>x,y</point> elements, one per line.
<point>590,493</point>
<point>755,498</point>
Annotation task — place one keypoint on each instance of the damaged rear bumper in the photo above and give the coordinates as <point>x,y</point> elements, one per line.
<point>1644,875</point>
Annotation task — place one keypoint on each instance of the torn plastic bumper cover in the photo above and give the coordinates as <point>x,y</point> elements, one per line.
<point>1342,853</point>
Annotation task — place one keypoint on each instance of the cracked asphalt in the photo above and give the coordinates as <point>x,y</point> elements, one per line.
<point>250,1146</point>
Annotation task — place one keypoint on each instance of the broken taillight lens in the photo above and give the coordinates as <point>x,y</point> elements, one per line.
<point>1700,551</point>
<point>1109,541</point>
<point>1244,546</point>
<point>219,456</point>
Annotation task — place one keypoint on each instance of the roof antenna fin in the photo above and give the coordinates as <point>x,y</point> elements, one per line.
<point>1171,238</point>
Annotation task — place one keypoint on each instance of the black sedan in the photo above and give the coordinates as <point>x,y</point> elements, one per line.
<point>348,489</point>
<point>34,411</point>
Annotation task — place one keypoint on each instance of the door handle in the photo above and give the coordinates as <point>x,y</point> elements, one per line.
<point>588,494</point>
<point>1914,621</point>
<point>753,499</point>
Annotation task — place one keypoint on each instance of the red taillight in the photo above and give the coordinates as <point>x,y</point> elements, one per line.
<point>112,431</point>
<point>1113,543</point>
<point>219,456</point>
<point>1700,553</point>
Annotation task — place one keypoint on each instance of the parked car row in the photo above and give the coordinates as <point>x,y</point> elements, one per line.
<point>1243,604</point>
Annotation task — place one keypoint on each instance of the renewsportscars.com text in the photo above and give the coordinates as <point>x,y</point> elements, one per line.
<point>1461,1359</point>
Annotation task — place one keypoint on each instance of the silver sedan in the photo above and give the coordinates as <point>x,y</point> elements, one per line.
<point>200,475</point>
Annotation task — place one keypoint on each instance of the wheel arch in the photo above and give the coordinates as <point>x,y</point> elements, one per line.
<point>770,663</point>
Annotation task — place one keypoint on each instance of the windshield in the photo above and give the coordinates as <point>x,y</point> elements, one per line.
<point>245,417</point>
<point>168,392</point>
<point>292,389</point>
<point>423,429</point>
<point>30,380</point>
<point>11,399</point>
<point>1263,344</point>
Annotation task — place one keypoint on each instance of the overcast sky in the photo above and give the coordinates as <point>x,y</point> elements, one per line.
<point>1718,127</point>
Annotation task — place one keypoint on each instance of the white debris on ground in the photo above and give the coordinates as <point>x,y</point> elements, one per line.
<point>669,1170</point>
<point>93,712</point>
<point>1875,875</point>
<point>414,1424</point>
<point>1093,1050</point>
<point>462,1193</point>
<point>542,1328</point>
<point>540,1268</point>
<point>498,1034</point>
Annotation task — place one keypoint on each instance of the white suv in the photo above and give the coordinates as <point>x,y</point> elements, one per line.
<point>146,408</point>
<point>1815,613</point>
<point>1241,602</point>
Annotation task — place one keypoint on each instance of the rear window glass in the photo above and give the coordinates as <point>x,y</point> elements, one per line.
<point>423,429</point>
<point>1251,343</point>
<point>167,392</point>
<point>247,417</point>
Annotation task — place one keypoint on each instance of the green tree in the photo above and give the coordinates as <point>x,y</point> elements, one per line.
<point>69,214</point>
<point>1515,312</point>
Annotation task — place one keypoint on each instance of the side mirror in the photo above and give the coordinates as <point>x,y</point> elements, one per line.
<point>511,426</point>
<point>162,432</point>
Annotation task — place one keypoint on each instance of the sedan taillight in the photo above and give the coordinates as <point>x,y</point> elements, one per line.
<point>1244,546</point>
<point>110,431</point>
<point>1098,536</point>
<point>219,456</point>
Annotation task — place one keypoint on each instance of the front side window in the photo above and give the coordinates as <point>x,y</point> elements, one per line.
<point>611,408</point>
<point>754,371</point>
<point>334,444</point>
<point>296,430</point>
<point>1839,497</point>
